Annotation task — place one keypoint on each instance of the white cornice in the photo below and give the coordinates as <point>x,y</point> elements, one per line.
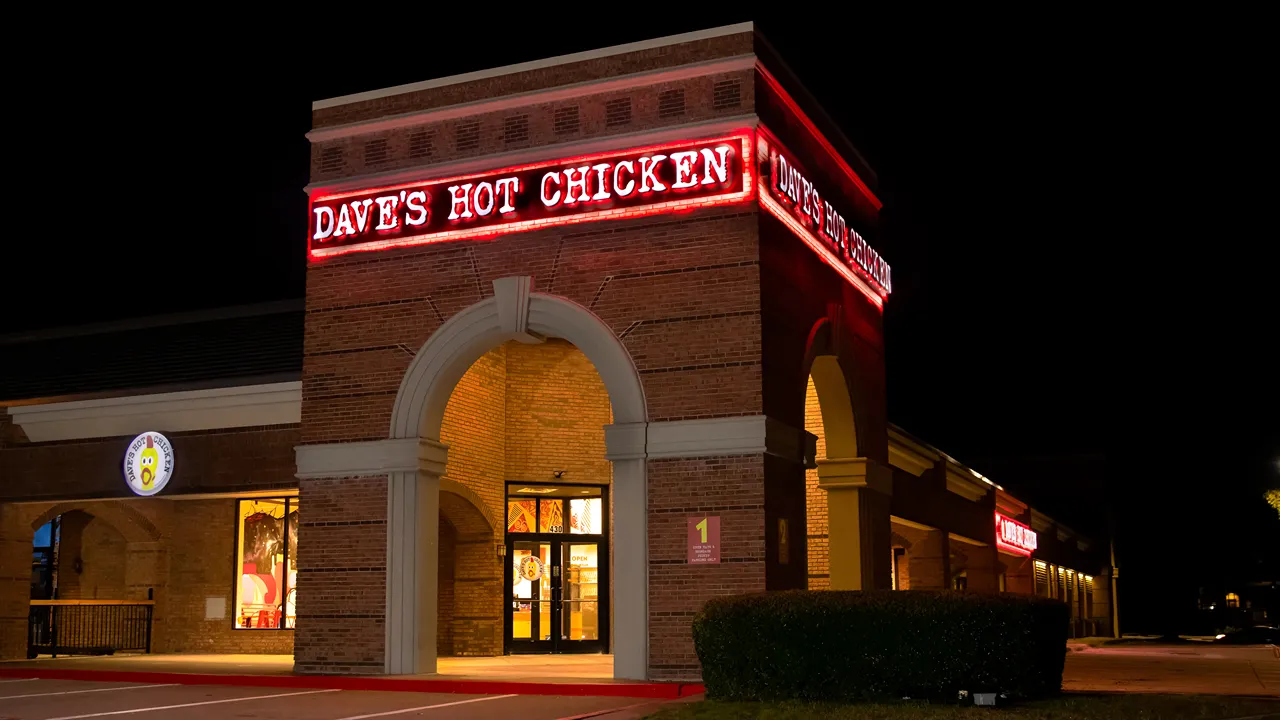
<point>709,437</point>
<point>561,93</point>
<point>622,141</point>
<point>962,483</point>
<point>908,455</point>
<point>376,457</point>
<point>535,65</point>
<point>226,407</point>
<point>1009,504</point>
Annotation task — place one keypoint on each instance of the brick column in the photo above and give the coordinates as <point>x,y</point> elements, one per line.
<point>1019,574</point>
<point>858,491</point>
<point>981,569</point>
<point>15,582</point>
<point>931,562</point>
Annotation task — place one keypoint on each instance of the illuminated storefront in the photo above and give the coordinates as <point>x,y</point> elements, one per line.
<point>585,341</point>
<point>557,543</point>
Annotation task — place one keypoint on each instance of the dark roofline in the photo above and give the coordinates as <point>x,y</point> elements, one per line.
<point>184,318</point>
<point>816,112</point>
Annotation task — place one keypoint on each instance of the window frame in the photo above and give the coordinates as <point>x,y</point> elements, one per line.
<point>237,549</point>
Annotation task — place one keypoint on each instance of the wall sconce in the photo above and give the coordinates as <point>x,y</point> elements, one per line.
<point>501,549</point>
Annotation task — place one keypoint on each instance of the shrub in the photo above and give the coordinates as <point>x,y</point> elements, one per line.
<point>842,646</point>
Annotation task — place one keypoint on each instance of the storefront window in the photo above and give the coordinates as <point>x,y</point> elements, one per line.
<point>584,514</point>
<point>44,553</point>
<point>521,515</point>
<point>267,548</point>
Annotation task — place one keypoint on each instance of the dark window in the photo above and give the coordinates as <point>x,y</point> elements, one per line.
<point>375,152</point>
<point>726,94</point>
<point>567,120</point>
<point>467,137</point>
<point>617,112</point>
<point>44,560</point>
<point>331,159</point>
<point>515,130</point>
<point>421,144</point>
<point>670,103</point>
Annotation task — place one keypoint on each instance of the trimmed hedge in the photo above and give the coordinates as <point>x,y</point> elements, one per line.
<point>879,645</point>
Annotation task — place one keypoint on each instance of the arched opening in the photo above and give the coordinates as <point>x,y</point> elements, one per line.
<point>499,364</point>
<point>828,415</point>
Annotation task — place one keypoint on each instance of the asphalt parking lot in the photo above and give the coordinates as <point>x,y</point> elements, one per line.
<point>70,699</point>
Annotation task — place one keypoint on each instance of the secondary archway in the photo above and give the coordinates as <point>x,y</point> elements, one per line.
<point>514,312</point>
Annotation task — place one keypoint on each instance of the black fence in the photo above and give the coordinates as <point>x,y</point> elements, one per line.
<point>87,627</point>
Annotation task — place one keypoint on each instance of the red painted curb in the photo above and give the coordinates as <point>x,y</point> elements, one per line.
<point>648,691</point>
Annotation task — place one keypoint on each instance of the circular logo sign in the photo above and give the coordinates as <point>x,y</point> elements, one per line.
<point>148,463</point>
<point>531,568</point>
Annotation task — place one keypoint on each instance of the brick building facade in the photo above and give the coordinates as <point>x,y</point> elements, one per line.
<point>709,344</point>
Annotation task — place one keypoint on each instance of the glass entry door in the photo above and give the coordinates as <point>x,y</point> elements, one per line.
<point>556,571</point>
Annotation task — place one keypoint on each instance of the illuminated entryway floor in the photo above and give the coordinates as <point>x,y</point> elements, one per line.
<point>529,668</point>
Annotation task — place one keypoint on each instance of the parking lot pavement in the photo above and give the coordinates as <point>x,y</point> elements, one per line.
<point>72,700</point>
<point>1207,669</point>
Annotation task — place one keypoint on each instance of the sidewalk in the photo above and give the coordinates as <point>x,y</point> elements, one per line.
<point>516,675</point>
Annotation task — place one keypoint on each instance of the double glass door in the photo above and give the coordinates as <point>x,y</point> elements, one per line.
<point>557,593</point>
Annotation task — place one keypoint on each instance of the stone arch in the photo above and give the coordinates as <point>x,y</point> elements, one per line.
<point>456,345</point>
<point>133,525</point>
<point>514,312</point>
<point>836,402</point>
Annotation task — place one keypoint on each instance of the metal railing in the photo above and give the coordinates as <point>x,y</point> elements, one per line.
<point>88,627</point>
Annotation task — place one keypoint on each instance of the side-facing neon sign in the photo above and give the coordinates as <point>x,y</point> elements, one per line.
<point>1014,537</point>
<point>787,192</point>
<point>606,186</point>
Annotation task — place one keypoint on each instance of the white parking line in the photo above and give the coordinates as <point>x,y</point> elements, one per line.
<point>423,707</point>
<point>194,704</point>
<point>77,692</point>
<point>17,680</point>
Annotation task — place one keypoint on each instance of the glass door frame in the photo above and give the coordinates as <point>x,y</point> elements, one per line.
<point>559,542</point>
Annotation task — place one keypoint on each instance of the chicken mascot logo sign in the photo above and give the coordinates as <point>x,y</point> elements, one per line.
<point>148,463</point>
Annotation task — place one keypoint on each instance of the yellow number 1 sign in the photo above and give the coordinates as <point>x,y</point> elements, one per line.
<point>704,540</point>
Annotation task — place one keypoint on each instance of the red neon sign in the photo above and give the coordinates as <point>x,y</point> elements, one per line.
<point>787,192</point>
<point>1014,537</point>
<point>604,186</point>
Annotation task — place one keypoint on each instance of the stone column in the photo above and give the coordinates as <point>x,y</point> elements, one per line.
<point>625,447</point>
<point>413,538</point>
<point>858,491</point>
<point>335,479</point>
<point>931,562</point>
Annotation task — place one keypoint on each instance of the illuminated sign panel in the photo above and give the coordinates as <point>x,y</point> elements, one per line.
<point>605,186</point>
<point>787,192</point>
<point>1014,537</point>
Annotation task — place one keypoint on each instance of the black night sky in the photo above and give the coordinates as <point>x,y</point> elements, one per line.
<point>1081,311</point>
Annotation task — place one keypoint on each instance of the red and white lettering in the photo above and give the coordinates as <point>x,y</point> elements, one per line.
<point>343,226</point>
<point>647,166</point>
<point>602,192</point>
<point>508,187</point>
<point>360,208</point>
<point>618,188</point>
<point>418,213</point>
<point>460,197</point>
<point>550,200</point>
<point>478,198</point>
<point>685,176</point>
<point>580,185</point>
<point>716,161</point>
<point>323,232</point>
<point>387,219</point>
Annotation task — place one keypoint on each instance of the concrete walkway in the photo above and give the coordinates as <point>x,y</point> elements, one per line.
<point>1208,669</point>
<point>519,668</point>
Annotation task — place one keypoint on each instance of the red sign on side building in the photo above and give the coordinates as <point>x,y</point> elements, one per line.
<point>1014,537</point>
<point>704,540</point>
<point>605,186</point>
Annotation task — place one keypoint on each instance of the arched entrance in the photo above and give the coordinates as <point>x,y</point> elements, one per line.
<point>512,313</point>
<point>847,494</point>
